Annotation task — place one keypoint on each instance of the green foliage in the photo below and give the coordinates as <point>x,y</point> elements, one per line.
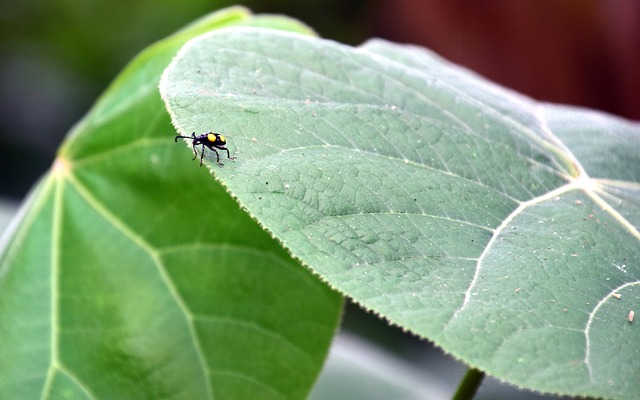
<point>504,230</point>
<point>132,275</point>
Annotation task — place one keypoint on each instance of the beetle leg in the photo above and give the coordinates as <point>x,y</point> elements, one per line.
<point>195,153</point>
<point>217,157</point>
<point>228,154</point>
<point>202,154</point>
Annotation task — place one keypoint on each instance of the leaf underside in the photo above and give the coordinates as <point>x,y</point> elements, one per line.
<point>504,230</point>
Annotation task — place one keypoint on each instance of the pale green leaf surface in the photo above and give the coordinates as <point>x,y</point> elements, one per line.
<point>131,275</point>
<point>497,227</point>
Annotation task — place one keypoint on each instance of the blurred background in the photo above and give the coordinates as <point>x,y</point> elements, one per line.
<point>59,55</point>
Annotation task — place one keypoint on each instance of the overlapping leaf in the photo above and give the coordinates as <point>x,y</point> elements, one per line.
<point>132,275</point>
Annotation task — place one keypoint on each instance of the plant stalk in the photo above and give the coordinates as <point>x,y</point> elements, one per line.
<point>469,385</point>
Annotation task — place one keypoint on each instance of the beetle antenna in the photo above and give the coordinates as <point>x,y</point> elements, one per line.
<point>193,137</point>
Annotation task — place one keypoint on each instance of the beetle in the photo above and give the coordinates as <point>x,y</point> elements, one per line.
<point>211,140</point>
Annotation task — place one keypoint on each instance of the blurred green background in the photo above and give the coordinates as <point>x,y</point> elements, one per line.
<point>57,56</point>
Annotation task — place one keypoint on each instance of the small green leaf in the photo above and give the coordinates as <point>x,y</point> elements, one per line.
<point>133,276</point>
<point>495,226</point>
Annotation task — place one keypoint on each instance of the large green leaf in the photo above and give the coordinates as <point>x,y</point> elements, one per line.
<point>500,228</point>
<point>132,275</point>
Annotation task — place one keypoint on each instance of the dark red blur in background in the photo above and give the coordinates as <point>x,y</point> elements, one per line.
<point>580,52</point>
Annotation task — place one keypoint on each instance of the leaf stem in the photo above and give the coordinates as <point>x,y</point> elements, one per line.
<point>469,385</point>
